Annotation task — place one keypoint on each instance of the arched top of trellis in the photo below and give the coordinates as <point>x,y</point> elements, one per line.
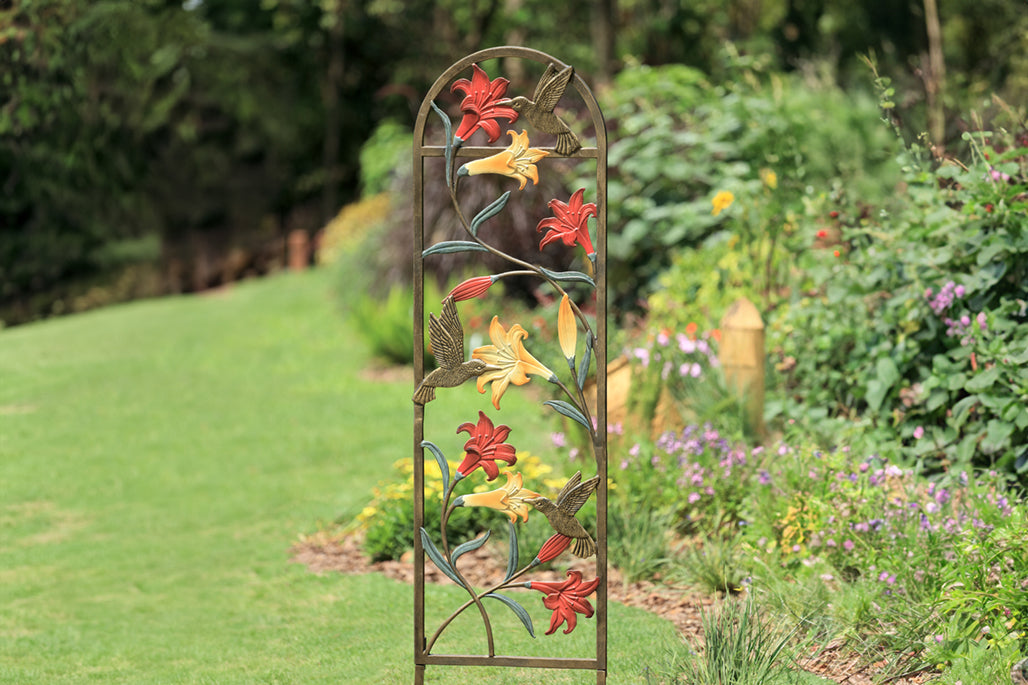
<point>458,67</point>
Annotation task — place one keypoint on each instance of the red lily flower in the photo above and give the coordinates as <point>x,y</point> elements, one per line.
<point>567,600</point>
<point>485,447</point>
<point>480,106</point>
<point>473,287</point>
<point>570,223</point>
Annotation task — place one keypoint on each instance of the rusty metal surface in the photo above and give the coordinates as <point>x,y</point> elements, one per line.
<point>554,68</point>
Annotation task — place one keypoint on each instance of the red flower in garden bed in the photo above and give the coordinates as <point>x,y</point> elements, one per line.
<point>570,223</point>
<point>567,600</point>
<point>485,447</point>
<point>480,104</point>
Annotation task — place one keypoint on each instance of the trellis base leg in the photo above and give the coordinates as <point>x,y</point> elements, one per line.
<point>419,674</point>
<point>601,678</point>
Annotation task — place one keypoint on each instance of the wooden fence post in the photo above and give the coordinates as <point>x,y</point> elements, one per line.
<point>742,358</point>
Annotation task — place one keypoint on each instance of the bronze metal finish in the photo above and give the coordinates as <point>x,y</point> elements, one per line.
<point>539,110</point>
<point>447,341</point>
<point>447,338</point>
<point>562,514</point>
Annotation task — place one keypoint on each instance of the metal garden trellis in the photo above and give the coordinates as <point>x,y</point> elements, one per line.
<point>507,361</point>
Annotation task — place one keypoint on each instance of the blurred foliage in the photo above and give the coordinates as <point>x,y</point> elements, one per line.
<point>221,125</point>
<point>678,140</point>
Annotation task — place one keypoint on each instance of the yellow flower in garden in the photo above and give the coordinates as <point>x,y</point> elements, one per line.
<point>512,362</point>
<point>510,499</point>
<point>769,178</point>
<point>722,201</point>
<point>517,161</point>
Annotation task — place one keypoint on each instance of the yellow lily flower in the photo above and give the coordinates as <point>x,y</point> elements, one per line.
<point>510,499</point>
<point>567,328</point>
<point>511,361</point>
<point>517,161</point>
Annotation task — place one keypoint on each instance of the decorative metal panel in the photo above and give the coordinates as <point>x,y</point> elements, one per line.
<point>538,132</point>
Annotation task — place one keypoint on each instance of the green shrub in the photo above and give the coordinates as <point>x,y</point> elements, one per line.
<point>677,140</point>
<point>918,322</point>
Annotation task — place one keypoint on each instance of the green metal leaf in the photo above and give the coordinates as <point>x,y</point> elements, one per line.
<point>583,370</point>
<point>449,246</point>
<point>448,129</point>
<point>489,212</point>
<point>444,467</point>
<point>468,546</point>
<point>569,411</point>
<point>518,610</point>
<point>569,276</point>
<point>438,559</point>
<point>512,557</point>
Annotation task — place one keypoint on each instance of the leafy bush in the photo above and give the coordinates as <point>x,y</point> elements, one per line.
<point>678,140</point>
<point>918,320</point>
<point>940,558</point>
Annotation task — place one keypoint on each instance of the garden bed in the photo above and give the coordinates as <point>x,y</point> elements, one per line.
<point>341,553</point>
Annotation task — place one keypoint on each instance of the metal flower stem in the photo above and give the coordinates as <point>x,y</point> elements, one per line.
<point>505,584</point>
<point>447,510</point>
<point>537,271</point>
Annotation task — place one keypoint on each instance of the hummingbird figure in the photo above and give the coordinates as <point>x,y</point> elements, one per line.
<point>539,110</point>
<point>447,338</point>
<point>562,514</point>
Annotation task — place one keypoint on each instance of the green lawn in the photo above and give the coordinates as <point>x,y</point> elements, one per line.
<point>158,459</point>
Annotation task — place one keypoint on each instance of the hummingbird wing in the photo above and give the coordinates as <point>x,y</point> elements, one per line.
<point>577,496</point>
<point>569,486</point>
<point>550,72</point>
<point>447,336</point>
<point>550,93</point>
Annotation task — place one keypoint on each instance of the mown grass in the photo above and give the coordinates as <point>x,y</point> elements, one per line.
<point>157,460</point>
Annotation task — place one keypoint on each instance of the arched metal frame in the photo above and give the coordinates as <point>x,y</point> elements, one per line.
<point>599,153</point>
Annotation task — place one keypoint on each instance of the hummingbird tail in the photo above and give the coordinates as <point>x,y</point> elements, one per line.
<point>584,547</point>
<point>567,143</point>
<point>424,394</point>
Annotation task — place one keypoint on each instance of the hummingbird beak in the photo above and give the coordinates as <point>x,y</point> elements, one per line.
<point>505,102</point>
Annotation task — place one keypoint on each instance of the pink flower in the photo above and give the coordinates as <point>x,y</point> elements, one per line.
<point>918,432</point>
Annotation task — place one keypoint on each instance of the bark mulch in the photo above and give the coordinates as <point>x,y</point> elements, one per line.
<point>324,552</point>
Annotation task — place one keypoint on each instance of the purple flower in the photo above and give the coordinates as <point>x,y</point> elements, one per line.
<point>643,355</point>
<point>685,344</point>
<point>765,477</point>
<point>558,439</point>
<point>694,497</point>
<point>848,545</point>
<point>663,339</point>
<point>981,321</point>
<point>918,432</point>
